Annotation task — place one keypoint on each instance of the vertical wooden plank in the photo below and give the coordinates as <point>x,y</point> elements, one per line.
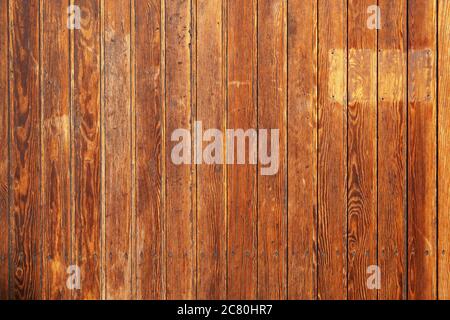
<point>4,151</point>
<point>86,115</point>
<point>55,149</point>
<point>332,144</point>
<point>422,150</point>
<point>362,150</point>
<point>302,149</point>
<point>211,214</point>
<point>180,179</point>
<point>25,219</point>
<point>149,232</point>
<point>118,173</point>
<point>241,114</point>
<point>444,151</point>
<point>392,149</point>
<point>272,193</point>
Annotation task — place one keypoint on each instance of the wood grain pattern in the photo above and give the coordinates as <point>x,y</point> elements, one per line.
<point>443,249</point>
<point>362,150</point>
<point>180,179</point>
<point>118,184</point>
<point>211,214</point>
<point>55,171</point>
<point>86,97</point>
<point>302,157</point>
<point>422,150</point>
<point>25,213</point>
<point>150,219</point>
<point>4,152</point>
<point>242,113</point>
<point>392,150</point>
<point>272,193</point>
<point>332,150</point>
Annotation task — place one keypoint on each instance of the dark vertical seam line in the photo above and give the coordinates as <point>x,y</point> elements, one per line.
<point>437,149</point>
<point>317,151</point>
<point>257,145</point>
<point>9,65</point>
<point>130,237</point>
<point>286,200</point>
<point>195,115</point>
<point>347,151</point>
<point>407,154</point>
<point>225,99</point>
<point>41,123</point>
<point>377,133</point>
<point>163,147</point>
<point>165,160</point>
<point>103,149</point>
<point>71,216</point>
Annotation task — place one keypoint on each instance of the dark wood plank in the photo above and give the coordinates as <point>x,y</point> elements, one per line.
<point>272,192</point>
<point>211,214</point>
<point>25,219</point>
<point>4,152</point>
<point>180,179</point>
<point>332,149</point>
<point>150,220</point>
<point>444,151</point>
<point>86,153</point>
<point>362,150</point>
<point>118,158</point>
<point>302,150</point>
<point>56,124</point>
<point>241,113</point>
<point>422,150</point>
<point>392,149</point>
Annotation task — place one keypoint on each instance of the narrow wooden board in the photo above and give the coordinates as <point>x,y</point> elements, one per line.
<point>272,191</point>
<point>242,114</point>
<point>56,129</point>
<point>392,149</point>
<point>211,214</point>
<point>86,97</point>
<point>444,151</point>
<point>362,150</point>
<point>149,214</point>
<point>26,215</point>
<point>4,152</point>
<point>422,211</point>
<point>332,149</point>
<point>118,157</point>
<point>302,150</point>
<point>180,179</point>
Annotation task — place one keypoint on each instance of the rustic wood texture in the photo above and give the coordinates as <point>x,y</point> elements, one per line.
<point>422,148</point>
<point>86,171</point>
<point>392,149</point>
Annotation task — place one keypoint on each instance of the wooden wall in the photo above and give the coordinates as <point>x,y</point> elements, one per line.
<point>86,176</point>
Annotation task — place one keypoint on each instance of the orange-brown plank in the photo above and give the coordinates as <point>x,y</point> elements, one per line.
<point>302,149</point>
<point>149,214</point>
<point>25,221</point>
<point>272,192</point>
<point>241,113</point>
<point>180,179</point>
<point>55,184</point>
<point>86,153</point>
<point>118,177</point>
<point>4,152</point>
<point>422,150</point>
<point>362,150</point>
<point>392,149</point>
<point>444,151</point>
<point>332,150</point>
<point>211,215</point>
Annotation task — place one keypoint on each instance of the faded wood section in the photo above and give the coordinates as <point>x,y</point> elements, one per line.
<point>180,179</point>
<point>211,214</point>
<point>25,130</point>
<point>4,152</point>
<point>118,150</point>
<point>302,157</point>
<point>332,150</point>
<point>362,150</point>
<point>241,179</point>
<point>149,116</point>
<point>272,97</point>
<point>392,150</point>
<point>86,178</point>
<point>422,146</point>
<point>443,249</point>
